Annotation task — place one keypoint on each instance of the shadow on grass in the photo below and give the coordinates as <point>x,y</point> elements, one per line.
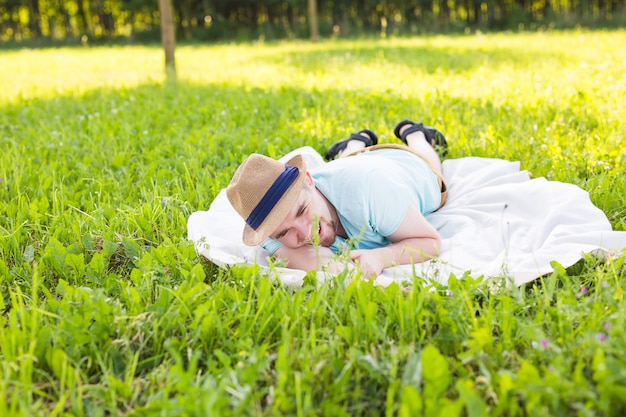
<point>428,59</point>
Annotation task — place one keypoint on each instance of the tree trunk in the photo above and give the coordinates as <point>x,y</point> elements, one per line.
<point>168,37</point>
<point>313,20</point>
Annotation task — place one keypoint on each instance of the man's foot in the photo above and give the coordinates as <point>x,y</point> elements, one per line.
<point>366,136</point>
<point>433,136</point>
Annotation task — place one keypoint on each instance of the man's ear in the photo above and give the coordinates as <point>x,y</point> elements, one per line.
<point>308,178</point>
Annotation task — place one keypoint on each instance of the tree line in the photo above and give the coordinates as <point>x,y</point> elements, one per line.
<point>138,20</point>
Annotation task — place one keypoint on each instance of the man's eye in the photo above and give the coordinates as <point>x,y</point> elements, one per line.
<point>302,210</point>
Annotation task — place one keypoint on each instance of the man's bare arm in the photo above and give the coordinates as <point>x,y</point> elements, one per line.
<point>414,241</point>
<point>309,258</point>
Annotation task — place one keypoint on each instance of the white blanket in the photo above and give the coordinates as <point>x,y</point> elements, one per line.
<point>497,222</point>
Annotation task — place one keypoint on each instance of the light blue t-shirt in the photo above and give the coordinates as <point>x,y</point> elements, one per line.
<point>372,192</point>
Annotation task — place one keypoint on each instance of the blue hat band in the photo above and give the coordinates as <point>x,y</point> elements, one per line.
<point>271,197</point>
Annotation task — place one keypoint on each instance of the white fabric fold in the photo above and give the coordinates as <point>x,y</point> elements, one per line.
<point>496,223</point>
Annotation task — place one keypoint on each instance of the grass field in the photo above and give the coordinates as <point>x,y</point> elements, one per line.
<point>107,310</point>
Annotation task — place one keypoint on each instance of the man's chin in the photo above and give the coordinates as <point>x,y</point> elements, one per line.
<point>327,241</point>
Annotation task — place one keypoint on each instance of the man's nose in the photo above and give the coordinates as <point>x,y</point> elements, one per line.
<point>303,227</point>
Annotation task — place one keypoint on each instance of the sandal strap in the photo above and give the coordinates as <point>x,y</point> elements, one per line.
<point>416,127</point>
<point>372,135</point>
<point>435,138</point>
<point>396,130</point>
<point>341,145</point>
<point>368,141</point>
<point>335,149</point>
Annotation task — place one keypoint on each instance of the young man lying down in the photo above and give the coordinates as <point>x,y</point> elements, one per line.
<point>369,201</point>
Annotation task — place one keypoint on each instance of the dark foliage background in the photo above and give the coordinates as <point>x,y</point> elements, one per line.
<point>137,21</point>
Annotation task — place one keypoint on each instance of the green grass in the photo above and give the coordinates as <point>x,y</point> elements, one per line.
<point>107,310</point>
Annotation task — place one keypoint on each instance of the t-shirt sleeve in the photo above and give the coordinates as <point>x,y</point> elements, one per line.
<point>271,245</point>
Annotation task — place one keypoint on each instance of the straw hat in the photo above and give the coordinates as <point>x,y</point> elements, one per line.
<point>263,190</point>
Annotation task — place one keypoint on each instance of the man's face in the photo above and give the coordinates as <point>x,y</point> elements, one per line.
<point>309,219</point>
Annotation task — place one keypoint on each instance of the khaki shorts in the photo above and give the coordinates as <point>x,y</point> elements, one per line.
<point>442,182</point>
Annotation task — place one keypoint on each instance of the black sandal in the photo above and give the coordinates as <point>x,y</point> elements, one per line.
<point>338,147</point>
<point>433,136</point>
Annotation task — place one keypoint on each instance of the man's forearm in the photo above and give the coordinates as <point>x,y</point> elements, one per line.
<point>310,258</point>
<point>414,250</point>
<point>372,262</point>
<point>408,251</point>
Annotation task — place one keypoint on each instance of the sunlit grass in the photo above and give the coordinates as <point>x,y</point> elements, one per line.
<point>107,310</point>
<point>499,66</point>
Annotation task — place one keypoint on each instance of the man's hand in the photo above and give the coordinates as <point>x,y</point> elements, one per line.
<point>371,262</point>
